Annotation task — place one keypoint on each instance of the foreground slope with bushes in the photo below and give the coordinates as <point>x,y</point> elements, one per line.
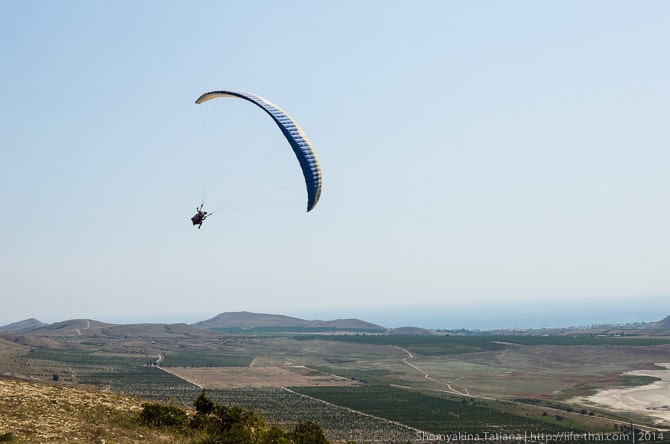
<point>49,413</point>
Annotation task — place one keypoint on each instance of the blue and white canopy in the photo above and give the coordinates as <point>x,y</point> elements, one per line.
<point>301,145</point>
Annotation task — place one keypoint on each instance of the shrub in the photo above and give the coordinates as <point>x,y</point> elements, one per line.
<point>159,415</point>
<point>275,435</point>
<point>308,432</point>
<point>203,404</point>
<point>214,423</point>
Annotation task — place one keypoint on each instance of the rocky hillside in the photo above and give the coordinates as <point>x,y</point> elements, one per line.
<point>50,413</point>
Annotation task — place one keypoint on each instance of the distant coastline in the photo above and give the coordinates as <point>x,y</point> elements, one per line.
<point>499,314</point>
<point>503,314</point>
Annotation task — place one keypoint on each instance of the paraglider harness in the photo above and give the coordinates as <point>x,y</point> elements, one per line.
<point>199,217</point>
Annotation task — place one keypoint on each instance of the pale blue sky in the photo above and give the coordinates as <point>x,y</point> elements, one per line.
<point>475,154</point>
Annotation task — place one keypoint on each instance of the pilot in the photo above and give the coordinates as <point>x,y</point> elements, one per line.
<point>199,217</point>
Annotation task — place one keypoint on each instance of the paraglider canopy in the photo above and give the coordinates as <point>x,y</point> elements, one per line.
<point>301,145</point>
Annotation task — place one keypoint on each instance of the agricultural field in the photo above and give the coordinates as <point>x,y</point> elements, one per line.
<point>367,388</point>
<point>495,368</point>
<point>270,376</point>
<point>446,415</point>
<point>285,407</point>
<point>447,344</point>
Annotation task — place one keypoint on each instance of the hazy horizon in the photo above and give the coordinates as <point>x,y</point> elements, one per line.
<point>556,314</point>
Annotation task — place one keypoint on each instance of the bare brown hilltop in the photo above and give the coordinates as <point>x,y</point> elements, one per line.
<point>247,320</point>
<point>21,326</point>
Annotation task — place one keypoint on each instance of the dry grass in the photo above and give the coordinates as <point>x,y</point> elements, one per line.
<point>541,371</point>
<point>228,377</point>
<point>52,413</point>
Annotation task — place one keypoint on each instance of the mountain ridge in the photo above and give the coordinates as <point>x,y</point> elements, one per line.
<point>243,320</point>
<point>248,320</point>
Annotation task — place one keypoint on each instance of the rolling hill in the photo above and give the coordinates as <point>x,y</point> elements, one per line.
<point>663,324</point>
<point>22,326</point>
<point>245,320</point>
<point>29,330</point>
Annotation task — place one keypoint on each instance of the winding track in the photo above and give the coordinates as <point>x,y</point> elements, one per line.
<point>427,376</point>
